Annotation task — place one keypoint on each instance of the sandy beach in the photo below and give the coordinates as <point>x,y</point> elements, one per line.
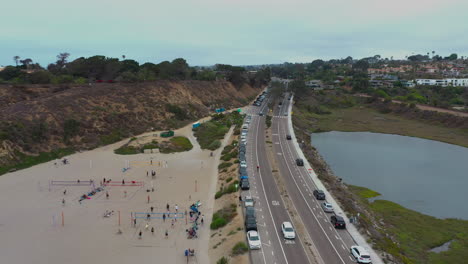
<point>32,229</point>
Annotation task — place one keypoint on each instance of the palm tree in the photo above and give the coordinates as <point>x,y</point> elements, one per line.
<point>16,59</point>
<point>123,57</point>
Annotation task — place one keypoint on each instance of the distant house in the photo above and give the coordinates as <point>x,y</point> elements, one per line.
<point>408,84</point>
<point>314,84</point>
<point>443,82</point>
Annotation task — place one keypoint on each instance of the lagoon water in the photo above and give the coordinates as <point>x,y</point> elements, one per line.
<point>427,176</point>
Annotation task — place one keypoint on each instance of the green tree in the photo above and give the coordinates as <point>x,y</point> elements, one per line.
<point>16,59</point>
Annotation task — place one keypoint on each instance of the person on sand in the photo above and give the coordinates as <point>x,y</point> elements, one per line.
<point>139,235</point>
<point>125,194</point>
<point>152,208</point>
<point>65,192</point>
<point>147,173</point>
<point>148,217</point>
<point>167,234</point>
<point>172,223</point>
<point>201,220</point>
<point>107,195</point>
<point>152,230</point>
<point>176,208</point>
<point>164,217</point>
<point>123,182</point>
<point>63,201</point>
<point>167,207</point>
<point>134,222</point>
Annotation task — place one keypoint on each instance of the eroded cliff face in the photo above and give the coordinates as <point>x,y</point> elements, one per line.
<point>37,119</point>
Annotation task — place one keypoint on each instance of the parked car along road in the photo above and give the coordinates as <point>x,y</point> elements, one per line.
<point>360,254</point>
<point>319,194</point>
<point>338,221</point>
<point>327,208</point>
<point>254,240</point>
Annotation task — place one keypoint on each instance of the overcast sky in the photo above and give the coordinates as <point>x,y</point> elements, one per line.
<point>240,32</point>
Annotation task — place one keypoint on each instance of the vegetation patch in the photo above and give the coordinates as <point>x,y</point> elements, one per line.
<point>210,133</point>
<point>418,233</point>
<point>127,150</point>
<point>26,161</point>
<point>176,144</point>
<point>225,190</point>
<point>363,192</point>
<point>223,216</point>
<point>240,248</point>
<point>268,121</point>
<point>349,115</point>
<point>222,260</point>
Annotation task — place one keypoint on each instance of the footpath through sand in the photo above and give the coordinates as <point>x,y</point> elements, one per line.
<point>32,229</point>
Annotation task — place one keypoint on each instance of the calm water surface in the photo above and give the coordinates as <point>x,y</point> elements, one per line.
<point>427,176</point>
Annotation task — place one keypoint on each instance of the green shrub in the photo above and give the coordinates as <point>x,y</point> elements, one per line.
<point>222,260</point>
<point>240,248</point>
<point>127,150</point>
<point>182,142</point>
<point>218,194</point>
<point>229,179</point>
<point>218,223</point>
<point>214,145</point>
<point>224,165</point>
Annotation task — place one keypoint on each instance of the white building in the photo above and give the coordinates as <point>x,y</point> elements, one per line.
<point>443,82</point>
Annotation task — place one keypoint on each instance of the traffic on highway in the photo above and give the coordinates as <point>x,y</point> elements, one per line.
<point>271,234</point>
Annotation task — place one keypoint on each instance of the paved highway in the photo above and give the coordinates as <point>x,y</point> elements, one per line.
<point>331,244</point>
<point>270,209</point>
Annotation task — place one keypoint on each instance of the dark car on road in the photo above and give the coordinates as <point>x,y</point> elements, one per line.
<point>244,184</point>
<point>338,221</point>
<point>260,114</point>
<point>250,212</point>
<point>300,162</point>
<point>319,194</point>
<point>250,223</point>
<point>288,137</point>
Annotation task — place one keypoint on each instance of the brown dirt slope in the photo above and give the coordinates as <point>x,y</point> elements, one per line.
<point>33,117</point>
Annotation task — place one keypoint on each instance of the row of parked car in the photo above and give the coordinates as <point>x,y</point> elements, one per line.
<point>250,221</point>
<point>260,98</point>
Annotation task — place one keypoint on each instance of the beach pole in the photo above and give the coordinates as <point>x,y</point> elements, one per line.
<point>148,198</point>
<point>63,220</point>
<point>185,216</point>
<point>119,217</point>
<point>90,164</point>
<point>195,185</point>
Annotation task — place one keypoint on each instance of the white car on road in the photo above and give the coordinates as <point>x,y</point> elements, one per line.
<point>327,208</point>
<point>254,240</point>
<point>288,230</point>
<point>248,201</point>
<point>243,164</point>
<point>360,254</point>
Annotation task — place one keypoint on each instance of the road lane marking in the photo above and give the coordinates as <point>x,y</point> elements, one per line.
<point>307,203</point>
<point>266,198</point>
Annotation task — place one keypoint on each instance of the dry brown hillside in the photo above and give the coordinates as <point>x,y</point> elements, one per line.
<point>43,118</point>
